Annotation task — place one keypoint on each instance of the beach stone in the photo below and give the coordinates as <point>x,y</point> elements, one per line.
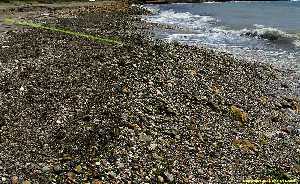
<point>17,163</point>
<point>134,126</point>
<point>160,179</point>
<point>147,178</point>
<point>239,114</point>
<point>111,173</point>
<point>96,181</point>
<point>285,105</point>
<point>171,132</point>
<point>155,156</point>
<point>3,179</point>
<point>15,180</point>
<point>158,93</point>
<point>57,169</point>
<point>169,177</point>
<point>290,129</point>
<point>144,137</point>
<point>280,134</point>
<point>200,171</point>
<point>71,176</point>
<point>152,146</point>
<point>170,85</point>
<point>78,168</point>
<point>120,165</point>
<point>46,169</point>
<point>125,89</point>
<point>291,112</point>
<point>284,85</point>
<point>86,118</point>
<point>46,146</point>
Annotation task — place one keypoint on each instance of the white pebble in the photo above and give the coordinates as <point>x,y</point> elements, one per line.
<point>160,179</point>
<point>3,179</point>
<point>158,92</point>
<point>152,146</point>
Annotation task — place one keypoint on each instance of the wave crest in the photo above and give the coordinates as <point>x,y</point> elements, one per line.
<point>183,19</point>
<point>268,33</point>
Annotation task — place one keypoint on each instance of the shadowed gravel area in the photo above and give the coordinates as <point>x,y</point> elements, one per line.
<point>73,110</point>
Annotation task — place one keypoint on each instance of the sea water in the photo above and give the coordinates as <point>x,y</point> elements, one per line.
<point>260,31</point>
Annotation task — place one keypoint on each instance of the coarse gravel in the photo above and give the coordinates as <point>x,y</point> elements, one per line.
<point>145,111</point>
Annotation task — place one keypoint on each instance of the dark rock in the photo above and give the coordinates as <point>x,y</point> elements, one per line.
<point>57,169</point>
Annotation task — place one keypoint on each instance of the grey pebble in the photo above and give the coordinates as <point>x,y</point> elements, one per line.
<point>46,169</point>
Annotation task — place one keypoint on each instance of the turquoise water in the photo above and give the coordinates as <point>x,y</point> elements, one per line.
<point>264,31</point>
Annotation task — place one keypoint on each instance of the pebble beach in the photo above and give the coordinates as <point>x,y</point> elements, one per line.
<point>74,110</point>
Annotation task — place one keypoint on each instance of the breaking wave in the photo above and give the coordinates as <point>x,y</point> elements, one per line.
<point>207,25</point>
<point>272,34</point>
<point>258,42</point>
<point>181,19</point>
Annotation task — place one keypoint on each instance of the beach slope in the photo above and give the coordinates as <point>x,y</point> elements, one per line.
<point>74,109</point>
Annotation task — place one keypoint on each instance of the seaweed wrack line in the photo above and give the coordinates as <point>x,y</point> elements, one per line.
<point>61,30</point>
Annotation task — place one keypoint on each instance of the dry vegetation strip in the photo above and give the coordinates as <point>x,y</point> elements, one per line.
<point>61,30</point>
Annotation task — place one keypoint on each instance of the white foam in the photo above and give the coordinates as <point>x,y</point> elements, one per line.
<point>251,42</point>
<point>296,43</point>
<point>211,34</point>
<point>207,19</point>
<point>211,2</point>
<point>182,19</point>
<point>258,26</point>
<point>172,15</point>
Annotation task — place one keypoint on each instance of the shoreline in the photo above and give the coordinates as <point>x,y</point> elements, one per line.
<point>190,1</point>
<point>145,111</point>
<point>186,32</point>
